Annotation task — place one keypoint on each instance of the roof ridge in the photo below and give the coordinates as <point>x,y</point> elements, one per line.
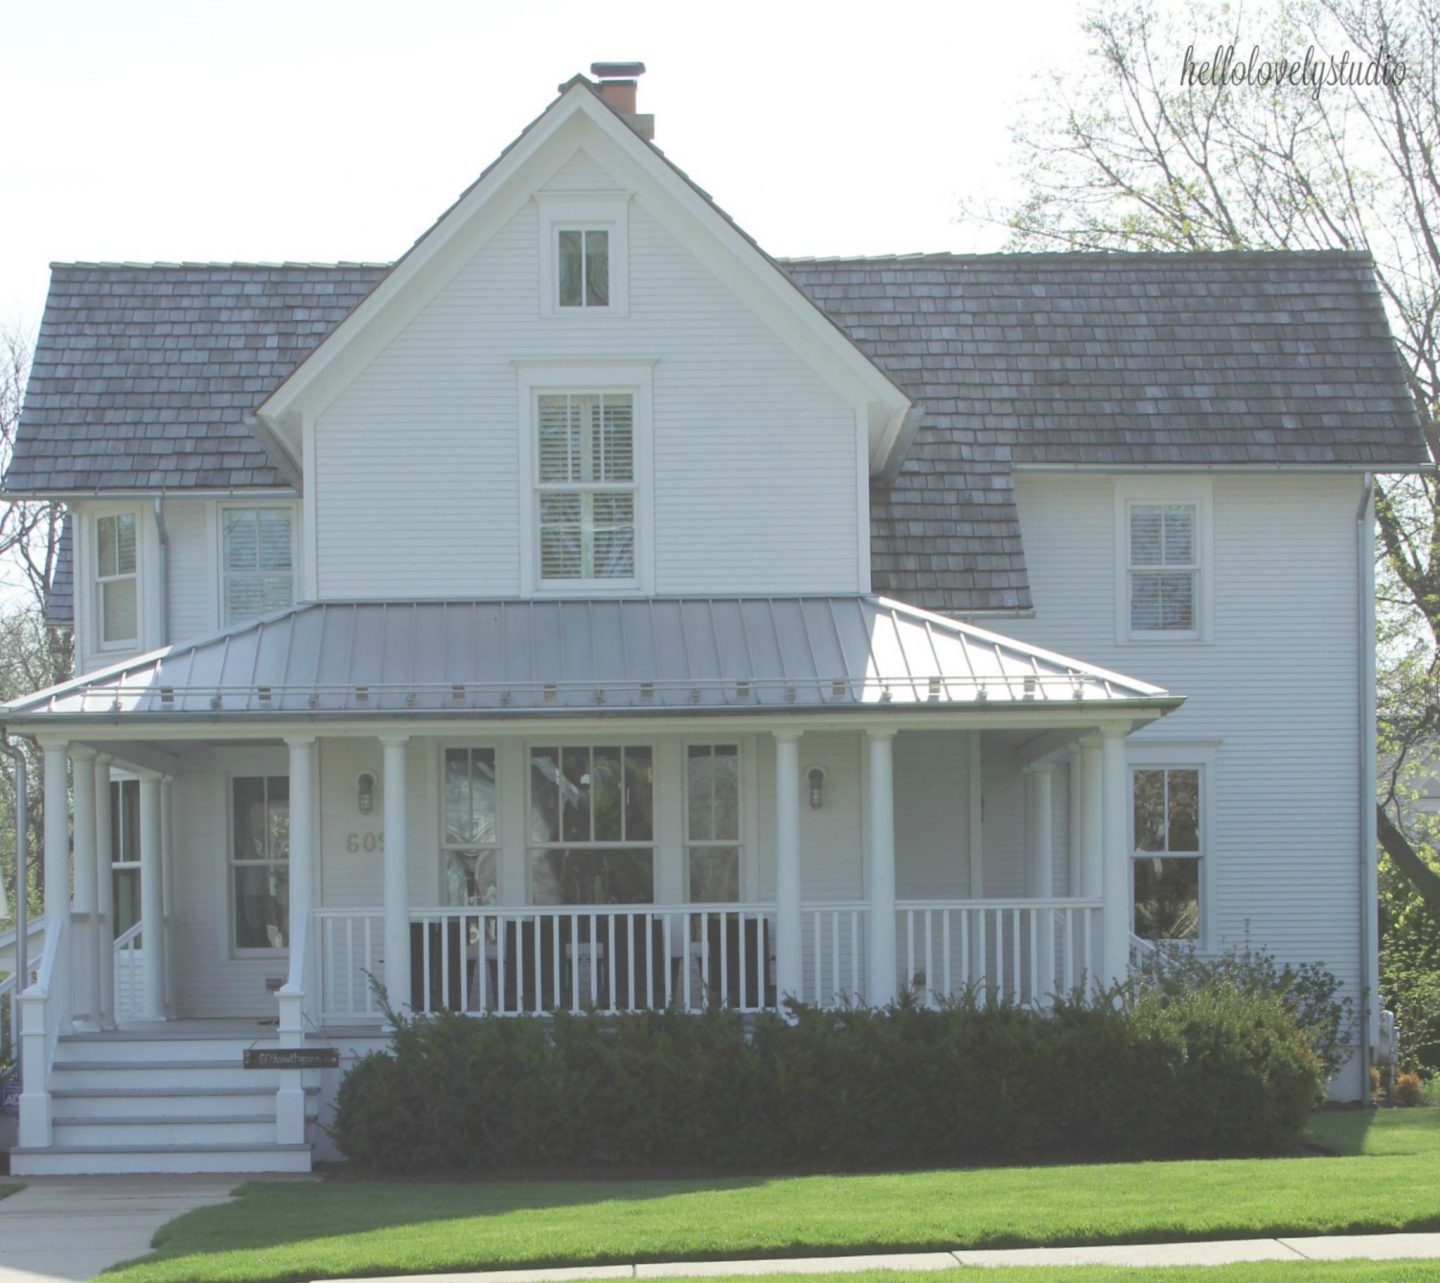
<point>230,265</point>
<point>931,258</point>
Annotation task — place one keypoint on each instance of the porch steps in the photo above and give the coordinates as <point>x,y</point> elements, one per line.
<point>163,1101</point>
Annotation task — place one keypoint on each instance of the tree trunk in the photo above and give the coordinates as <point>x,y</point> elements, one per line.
<point>1408,860</point>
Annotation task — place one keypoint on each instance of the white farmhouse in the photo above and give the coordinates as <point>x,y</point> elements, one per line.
<point>589,609</point>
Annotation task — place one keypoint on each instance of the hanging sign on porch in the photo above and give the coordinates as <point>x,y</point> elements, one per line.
<point>292,1058</point>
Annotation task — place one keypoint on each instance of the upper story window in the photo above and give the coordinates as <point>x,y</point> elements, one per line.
<point>1164,567</point>
<point>584,254</point>
<point>585,491</point>
<point>1164,564</point>
<point>257,560</point>
<point>117,604</point>
<point>584,262</point>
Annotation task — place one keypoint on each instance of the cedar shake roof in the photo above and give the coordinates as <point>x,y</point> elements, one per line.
<point>146,378</point>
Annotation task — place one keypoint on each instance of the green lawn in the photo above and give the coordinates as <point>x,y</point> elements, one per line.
<point>1385,1180</point>
<point>7,1190</point>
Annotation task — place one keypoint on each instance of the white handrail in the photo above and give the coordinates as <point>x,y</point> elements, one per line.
<point>41,1016</point>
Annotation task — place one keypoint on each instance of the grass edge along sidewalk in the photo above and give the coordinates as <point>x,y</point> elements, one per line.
<point>285,1233</point>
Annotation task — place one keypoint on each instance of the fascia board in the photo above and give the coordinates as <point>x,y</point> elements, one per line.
<point>413,281</point>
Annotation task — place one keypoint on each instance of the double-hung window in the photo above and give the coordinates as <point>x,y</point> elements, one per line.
<point>260,861</point>
<point>1164,568</point>
<point>470,840</point>
<point>1168,852</point>
<point>583,261</point>
<point>117,596</point>
<point>592,825</point>
<point>585,497</point>
<point>257,560</point>
<point>125,852</point>
<point>712,823</point>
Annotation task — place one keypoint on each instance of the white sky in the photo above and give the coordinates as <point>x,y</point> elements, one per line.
<point>306,129</point>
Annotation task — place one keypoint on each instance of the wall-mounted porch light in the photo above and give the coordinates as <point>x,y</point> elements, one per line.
<point>816,779</point>
<point>365,792</point>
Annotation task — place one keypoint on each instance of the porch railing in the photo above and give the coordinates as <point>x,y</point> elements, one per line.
<point>44,1010</point>
<point>129,973</point>
<point>1018,951</point>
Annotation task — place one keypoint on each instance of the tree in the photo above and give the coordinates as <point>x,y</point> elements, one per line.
<point>33,654</point>
<point>1152,157</point>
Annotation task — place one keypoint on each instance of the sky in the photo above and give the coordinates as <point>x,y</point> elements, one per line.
<point>215,130</point>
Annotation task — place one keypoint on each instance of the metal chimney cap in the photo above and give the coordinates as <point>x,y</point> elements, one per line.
<point>617,70</point>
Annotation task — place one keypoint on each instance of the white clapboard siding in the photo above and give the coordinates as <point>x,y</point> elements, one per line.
<point>755,459</point>
<point>194,569</point>
<point>1275,691</point>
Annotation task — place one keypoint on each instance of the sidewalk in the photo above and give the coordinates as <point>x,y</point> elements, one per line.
<point>63,1228</point>
<point>1376,1247</point>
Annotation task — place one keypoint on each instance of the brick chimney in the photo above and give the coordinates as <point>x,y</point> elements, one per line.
<point>617,87</point>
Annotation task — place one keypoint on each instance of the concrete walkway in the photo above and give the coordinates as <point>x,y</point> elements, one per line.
<point>64,1228</point>
<point>1375,1247</point>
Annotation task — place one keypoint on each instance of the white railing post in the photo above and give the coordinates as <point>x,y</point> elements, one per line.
<point>789,927</point>
<point>104,895</point>
<point>167,882</point>
<point>290,1098</point>
<point>1040,831</point>
<point>880,987</point>
<point>152,901</point>
<point>35,1132</point>
<point>1115,859</point>
<point>396,887</point>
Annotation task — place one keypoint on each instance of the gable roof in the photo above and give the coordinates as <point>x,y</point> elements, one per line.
<point>1109,360</point>
<point>604,657</point>
<point>580,111</point>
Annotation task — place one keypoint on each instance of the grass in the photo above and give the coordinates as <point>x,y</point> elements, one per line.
<point>1382,1178</point>
<point>7,1190</point>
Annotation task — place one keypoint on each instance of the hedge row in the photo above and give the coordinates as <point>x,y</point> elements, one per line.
<point>1206,1072</point>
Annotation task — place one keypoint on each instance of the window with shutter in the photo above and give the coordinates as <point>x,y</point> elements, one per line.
<point>257,557</point>
<point>1164,568</point>
<point>585,491</point>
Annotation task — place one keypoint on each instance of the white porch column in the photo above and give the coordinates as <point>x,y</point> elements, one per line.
<point>290,1098</point>
<point>57,831</point>
<point>1075,838</point>
<point>1040,874</point>
<point>1115,862</point>
<point>104,896</point>
<point>396,881</point>
<point>167,883</point>
<point>880,987</point>
<point>152,902</point>
<point>789,952</point>
<point>104,893</point>
<point>85,951</point>
<point>1092,825</point>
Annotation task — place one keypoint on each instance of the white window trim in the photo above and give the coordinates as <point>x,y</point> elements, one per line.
<point>239,771</point>
<point>242,506</point>
<point>1199,491</point>
<point>634,378</point>
<point>741,843</point>
<point>102,645</point>
<point>591,211</point>
<point>1179,756</point>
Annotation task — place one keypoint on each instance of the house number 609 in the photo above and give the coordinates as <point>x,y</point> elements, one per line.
<point>367,842</point>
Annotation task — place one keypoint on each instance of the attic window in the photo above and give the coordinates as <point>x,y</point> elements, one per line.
<point>584,247</point>
<point>583,261</point>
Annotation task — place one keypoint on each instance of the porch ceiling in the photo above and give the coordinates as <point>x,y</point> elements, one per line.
<point>408,659</point>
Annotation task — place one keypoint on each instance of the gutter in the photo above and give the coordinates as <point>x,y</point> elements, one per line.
<point>164,569</point>
<point>22,902</point>
<point>1369,857</point>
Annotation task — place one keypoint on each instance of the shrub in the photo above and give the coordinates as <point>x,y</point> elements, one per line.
<point>1309,992</point>
<point>1216,1070</point>
<point>1409,1090</point>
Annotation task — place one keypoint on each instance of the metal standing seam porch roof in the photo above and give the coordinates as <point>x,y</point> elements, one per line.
<point>598,656</point>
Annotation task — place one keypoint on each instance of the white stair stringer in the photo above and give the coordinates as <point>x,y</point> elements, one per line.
<point>123,1103</point>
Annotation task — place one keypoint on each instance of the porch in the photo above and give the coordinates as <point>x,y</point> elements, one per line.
<point>904,806</point>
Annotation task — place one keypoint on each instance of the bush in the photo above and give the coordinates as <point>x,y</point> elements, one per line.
<point>1309,992</point>
<point>1409,1090</point>
<point>1215,1070</point>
